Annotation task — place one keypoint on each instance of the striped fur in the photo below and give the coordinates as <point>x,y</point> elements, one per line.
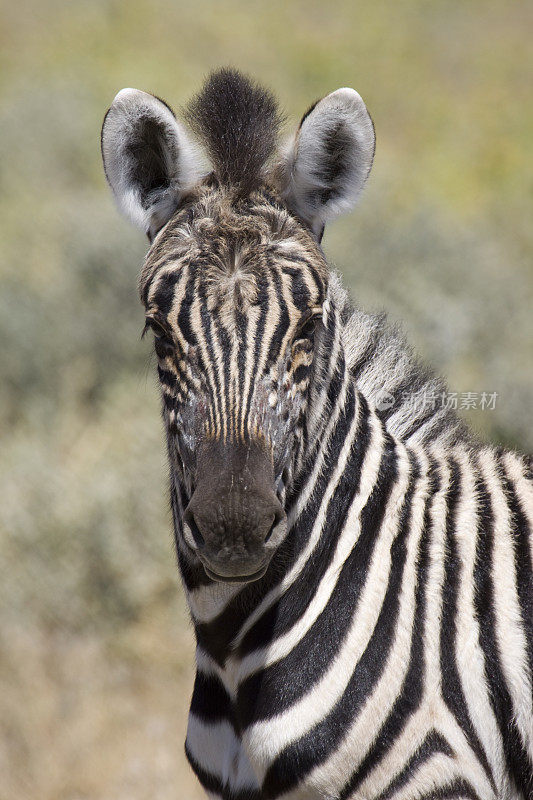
<point>387,652</point>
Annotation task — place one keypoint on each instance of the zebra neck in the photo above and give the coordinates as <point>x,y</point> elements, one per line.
<point>413,402</point>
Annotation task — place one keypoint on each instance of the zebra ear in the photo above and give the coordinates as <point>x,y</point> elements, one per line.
<point>325,166</point>
<point>148,159</point>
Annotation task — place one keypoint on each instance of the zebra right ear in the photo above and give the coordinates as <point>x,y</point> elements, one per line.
<point>325,166</point>
<point>149,160</point>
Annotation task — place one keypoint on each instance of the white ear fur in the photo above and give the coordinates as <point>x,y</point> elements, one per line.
<point>149,160</point>
<point>325,166</point>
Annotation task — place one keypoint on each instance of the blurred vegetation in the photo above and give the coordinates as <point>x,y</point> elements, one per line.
<point>96,653</point>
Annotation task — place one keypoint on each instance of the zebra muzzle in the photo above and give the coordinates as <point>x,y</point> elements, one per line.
<point>234,521</point>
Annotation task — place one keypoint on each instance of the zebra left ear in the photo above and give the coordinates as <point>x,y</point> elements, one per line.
<point>149,160</point>
<point>325,166</point>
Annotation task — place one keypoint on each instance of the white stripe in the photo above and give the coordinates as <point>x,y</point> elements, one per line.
<point>208,666</point>
<point>509,633</point>
<point>514,467</point>
<point>207,602</point>
<point>434,581</point>
<point>468,653</point>
<point>252,314</point>
<point>317,405</point>
<point>217,750</point>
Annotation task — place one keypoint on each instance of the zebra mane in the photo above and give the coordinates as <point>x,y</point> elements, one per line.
<point>238,123</point>
<point>405,392</point>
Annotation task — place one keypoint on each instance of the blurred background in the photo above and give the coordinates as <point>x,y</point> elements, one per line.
<point>96,650</point>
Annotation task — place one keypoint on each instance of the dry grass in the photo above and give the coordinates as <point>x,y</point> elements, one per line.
<point>92,716</point>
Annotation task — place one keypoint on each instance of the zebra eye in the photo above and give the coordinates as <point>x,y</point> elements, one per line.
<point>163,343</point>
<point>159,331</point>
<point>307,326</point>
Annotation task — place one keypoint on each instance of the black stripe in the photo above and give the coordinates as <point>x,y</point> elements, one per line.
<point>409,383</point>
<point>420,418</point>
<point>311,270</point>
<point>299,291</point>
<point>206,321</point>
<point>334,391</point>
<point>166,377</point>
<point>335,380</point>
<point>263,301</point>
<point>209,781</point>
<point>320,450</point>
<point>184,313</point>
<point>164,294</point>
<point>452,687</point>
<point>225,345</point>
<point>192,572</point>
<point>459,788</point>
<point>518,762</point>
<point>521,534</point>
<point>365,357</point>
<point>168,401</point>
<point>283,323</point>
<point>300,373</point>
<point>242,345</point>
<point>433,744</point>
<point>327,346</point>
<point>146,281</point>
<point>210,700</point>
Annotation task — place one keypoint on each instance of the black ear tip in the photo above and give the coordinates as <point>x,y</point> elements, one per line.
<point>309,110</point>
<point>164,102</point>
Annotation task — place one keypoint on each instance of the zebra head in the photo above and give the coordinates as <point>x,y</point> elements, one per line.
<point>235,288</point>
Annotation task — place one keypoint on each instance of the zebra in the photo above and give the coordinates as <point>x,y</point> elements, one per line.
<point>358,572</point>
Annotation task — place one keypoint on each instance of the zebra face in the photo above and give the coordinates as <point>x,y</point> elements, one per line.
<point>233,293</point>
<point>234,285</point>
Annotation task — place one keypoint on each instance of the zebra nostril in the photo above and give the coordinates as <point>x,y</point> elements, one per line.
<point>269,534</point>
<point>195,531</point>
<point>279,516</point>
<point>282,483</point>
